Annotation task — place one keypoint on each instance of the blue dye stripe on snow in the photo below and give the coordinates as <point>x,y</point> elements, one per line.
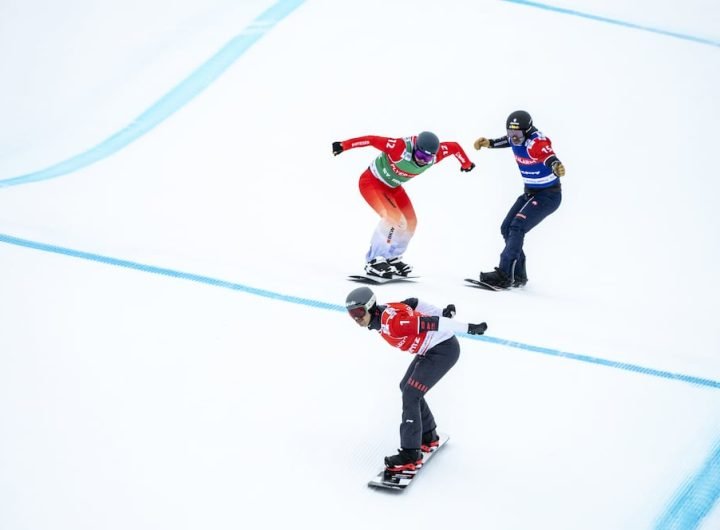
<point>165,272</point>
<point>171,102</point>
<point>335,307</point>
<point>693,38</point>
<point>696,497</point>
<point>604,362</point>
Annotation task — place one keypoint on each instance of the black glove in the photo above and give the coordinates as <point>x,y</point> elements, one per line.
<point>337,148</point>
<point>468,169</point>
<point>477,329</point>
<point>449,311</point>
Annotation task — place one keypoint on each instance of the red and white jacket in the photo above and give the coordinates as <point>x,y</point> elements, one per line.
<point>413,330</point>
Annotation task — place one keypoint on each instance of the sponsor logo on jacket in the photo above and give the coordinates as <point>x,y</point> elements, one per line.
<point>525,161</point>
<point>399,171</point>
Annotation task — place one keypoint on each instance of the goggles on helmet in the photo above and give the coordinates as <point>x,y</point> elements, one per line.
<point>358,312</point>
<point>516,136</point>
<point>423,157</point>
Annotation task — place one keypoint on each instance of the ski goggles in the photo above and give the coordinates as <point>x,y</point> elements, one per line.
<point>357,312</point>
<point>516,136</point>
<point>423,156</point>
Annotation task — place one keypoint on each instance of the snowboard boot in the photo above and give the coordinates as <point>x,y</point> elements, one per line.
<point>401,269</point>
<point>405,460</point>
<point>519,277</point>
<point>379,267</point>
<point>519,280</point>
<point>430,440</point>
<point>496,278</point>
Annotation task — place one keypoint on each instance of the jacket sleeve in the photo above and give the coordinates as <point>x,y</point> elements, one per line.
<point>409,323</point>
<point>497,143</point>
<point>427,309</point>
<point>392,146</point>
<point>542,151</point>
<point>453,149</point>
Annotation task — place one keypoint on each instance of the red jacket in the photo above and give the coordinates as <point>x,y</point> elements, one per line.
<point>400,326</point>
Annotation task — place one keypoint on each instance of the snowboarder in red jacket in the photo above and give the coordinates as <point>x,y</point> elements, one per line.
<point>428,333</point>
<point>400,160</point>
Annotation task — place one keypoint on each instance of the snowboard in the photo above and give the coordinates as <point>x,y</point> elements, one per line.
<point>376,280</point>
<point>483,285</point>
<point>402,479</point>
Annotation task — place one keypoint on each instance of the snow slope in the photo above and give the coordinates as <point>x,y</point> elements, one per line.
<point>174,352</point>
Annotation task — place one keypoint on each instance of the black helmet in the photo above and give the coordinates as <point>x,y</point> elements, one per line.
<point>519,120</point>
<point>428,142</point>
<point>360,298</point>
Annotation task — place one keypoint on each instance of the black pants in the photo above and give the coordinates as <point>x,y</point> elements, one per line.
<point>421,376</point>
<point>527,212</point>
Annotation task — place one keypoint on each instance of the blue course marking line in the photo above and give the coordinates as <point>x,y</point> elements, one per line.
<point>335,307</point>
<point>695,498</point>
<point>165,272</point>
<point>693,38</point>
<point>604,362</point>
<point>171,102</point>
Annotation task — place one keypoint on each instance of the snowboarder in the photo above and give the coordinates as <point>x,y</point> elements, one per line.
<point>427,332</point>
<point>541,171</point>
<point>401,159</point>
